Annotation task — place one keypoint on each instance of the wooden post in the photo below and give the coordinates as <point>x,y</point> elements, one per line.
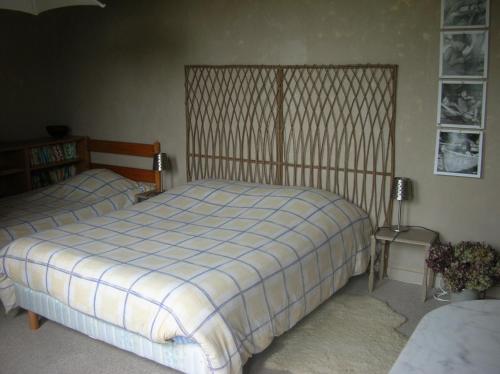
<point>382,261</point>
<point>158,175</point>
<point>373,253</point>
<point>280,127</point>
<point>33,320</point>
<point>425,282</point>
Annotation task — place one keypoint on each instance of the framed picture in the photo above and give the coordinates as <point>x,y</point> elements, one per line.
<point>462,104</point>
<point>463,54</point>
<point>465,13</point>
<point>458,153</point>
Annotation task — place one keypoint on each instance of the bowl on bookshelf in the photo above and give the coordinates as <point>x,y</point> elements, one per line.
<point>57,131</point>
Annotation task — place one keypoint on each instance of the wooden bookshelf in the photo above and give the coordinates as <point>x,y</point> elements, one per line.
<point>56,164</point>
<point>20,173</point>
<point>7,172</point>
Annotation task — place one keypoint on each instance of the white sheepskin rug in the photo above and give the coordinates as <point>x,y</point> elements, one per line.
<point>347,334</point>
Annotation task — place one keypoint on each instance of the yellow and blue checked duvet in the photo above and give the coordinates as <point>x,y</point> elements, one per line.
<point>92,193</point>
<point>228,265</point>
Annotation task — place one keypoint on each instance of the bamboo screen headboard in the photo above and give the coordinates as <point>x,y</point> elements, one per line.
<point>329,127</point>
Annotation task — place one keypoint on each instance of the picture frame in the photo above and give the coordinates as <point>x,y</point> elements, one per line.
<point>458,153</point>
<point>462,104</point>
<point>465,14</point>
<point>464,54</point>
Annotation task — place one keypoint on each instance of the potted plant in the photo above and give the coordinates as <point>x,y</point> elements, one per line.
<point>467,267</point>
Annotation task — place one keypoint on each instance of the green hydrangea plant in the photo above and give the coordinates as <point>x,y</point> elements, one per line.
<point>466,265</point>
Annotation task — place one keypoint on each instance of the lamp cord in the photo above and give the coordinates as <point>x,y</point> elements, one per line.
<point>440,294</point>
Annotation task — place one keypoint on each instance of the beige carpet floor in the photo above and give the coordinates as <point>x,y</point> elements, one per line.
<point>55,349</point>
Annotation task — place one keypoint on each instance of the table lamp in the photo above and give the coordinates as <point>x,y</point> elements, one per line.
<point>401,190</point>
<point>160,163</point>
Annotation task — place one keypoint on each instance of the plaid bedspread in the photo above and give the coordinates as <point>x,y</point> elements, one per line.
<point>92,193</point>
<point>228,265</point>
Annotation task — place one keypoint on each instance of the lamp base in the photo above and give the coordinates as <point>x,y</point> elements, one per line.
<point>399,228</point>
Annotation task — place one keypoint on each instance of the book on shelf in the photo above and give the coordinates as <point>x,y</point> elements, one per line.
<point>44,178</point>
<point>53,153</point>
<point>70,150</point>
<point>57,151</point>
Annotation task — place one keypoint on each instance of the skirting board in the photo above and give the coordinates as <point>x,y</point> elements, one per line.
<point>405,275</point>
<point>408,276</point>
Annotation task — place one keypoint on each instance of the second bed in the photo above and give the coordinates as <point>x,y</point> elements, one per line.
<point>94,192</point>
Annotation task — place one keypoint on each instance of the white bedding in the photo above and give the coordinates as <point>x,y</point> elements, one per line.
<point>89,194</point>
<point>228,265</point>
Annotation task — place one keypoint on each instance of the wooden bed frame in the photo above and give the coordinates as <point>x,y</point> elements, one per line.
<point>128,149</point>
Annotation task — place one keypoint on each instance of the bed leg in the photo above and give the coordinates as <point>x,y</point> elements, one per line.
<point>33,320</point>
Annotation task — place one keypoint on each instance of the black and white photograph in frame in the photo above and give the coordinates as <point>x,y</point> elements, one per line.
<point>463,54</point>
<point>458,153</point>
<point>464,13</point>
<point>462,104</point>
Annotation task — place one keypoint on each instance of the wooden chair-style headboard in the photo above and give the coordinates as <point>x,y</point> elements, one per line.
<point>129,149</point>
<point>329,127</point>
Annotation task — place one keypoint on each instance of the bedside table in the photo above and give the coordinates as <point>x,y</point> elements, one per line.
<point>414,236</point>
<point>143,196</point>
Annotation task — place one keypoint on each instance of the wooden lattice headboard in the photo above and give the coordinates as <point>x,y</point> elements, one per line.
<point>329,127</point>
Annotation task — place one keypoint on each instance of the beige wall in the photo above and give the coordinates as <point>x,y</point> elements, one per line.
<point>118,74</point>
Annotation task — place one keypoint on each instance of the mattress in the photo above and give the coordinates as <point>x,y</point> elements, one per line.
<point>227,265</point>
<point>89,194</point>
<point>182,355</point>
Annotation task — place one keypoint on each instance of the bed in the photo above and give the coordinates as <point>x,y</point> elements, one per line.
<point>246,260</point>
<point>461,337</point>
<point>289,168</point>
<point>94,192</point>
